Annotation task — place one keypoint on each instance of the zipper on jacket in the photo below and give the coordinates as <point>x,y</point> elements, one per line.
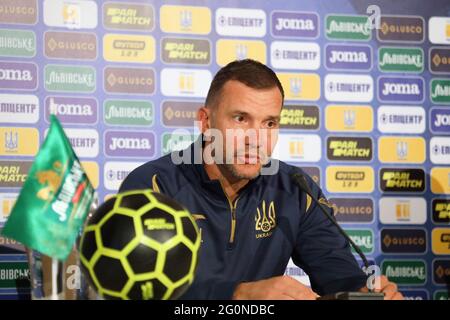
<point>233,217</point>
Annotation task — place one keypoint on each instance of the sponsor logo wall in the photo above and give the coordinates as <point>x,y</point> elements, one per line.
<point>367,111</point>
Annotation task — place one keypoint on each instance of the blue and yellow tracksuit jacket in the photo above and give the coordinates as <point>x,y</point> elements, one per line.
<point>253,237</point>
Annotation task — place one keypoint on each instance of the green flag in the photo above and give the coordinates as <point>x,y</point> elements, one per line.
<point>54,200</point>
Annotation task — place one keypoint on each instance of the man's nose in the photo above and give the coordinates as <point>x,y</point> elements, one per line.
<point>252,137</point>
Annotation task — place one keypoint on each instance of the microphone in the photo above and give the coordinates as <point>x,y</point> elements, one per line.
<point>300,181</point>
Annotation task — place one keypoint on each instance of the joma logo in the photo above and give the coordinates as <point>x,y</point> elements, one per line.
<point>130,143</point>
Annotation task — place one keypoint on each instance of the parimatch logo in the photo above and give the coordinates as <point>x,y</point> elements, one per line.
<point>440,210</point>
<point>402,180</point>
<point>13,173</point>
<point>128,16</point>
<point>300,117</point>
<point>186,51</point>
<point>349,148</point>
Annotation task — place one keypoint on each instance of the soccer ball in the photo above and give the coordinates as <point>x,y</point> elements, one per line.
<point>140,245</point>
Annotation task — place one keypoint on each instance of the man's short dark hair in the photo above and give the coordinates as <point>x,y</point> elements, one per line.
<point>252,73</point>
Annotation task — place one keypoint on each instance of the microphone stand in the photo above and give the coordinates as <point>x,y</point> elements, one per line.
<point>300,181</point>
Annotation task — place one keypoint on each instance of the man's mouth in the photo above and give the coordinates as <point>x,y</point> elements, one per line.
<point>248,158</point>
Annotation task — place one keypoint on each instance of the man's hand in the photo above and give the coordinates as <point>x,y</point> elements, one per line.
<point>277,288</point>
<point>388,288</point>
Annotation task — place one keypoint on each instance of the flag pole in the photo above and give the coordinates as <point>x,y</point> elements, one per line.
<point>54,295</point>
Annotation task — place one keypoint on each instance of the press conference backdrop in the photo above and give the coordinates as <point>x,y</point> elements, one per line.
<point>367,110</point>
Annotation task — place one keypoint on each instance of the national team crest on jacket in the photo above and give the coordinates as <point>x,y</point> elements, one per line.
<point>265,220</point>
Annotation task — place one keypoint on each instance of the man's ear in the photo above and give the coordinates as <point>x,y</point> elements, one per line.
<point>204,117</point>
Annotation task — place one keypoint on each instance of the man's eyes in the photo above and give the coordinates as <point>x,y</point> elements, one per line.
<point>239,118</point>
<point>272,124</point>
<point>269,124</point>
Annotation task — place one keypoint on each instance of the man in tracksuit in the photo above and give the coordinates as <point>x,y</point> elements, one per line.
<point>252,217</point>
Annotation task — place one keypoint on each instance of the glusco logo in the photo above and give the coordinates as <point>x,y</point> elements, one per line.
<point>353,210</point>
<point>403,240</point>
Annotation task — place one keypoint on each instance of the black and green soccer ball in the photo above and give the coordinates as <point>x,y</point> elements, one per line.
<point>140,245</point>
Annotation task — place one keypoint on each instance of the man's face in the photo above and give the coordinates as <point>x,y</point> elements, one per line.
<point>249,122</point>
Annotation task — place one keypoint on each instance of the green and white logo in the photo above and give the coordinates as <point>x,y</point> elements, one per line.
<point>441,295</point>
<point>14,274</point>
<point>405,272</point>
<point>17,43</point>
<point>128,112</point>
<point>396,59</point>
<point>176,141</point>
<point>363,238</point>
<point>440,91</point>
<point>348,27</point>
<point>64,78</point>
